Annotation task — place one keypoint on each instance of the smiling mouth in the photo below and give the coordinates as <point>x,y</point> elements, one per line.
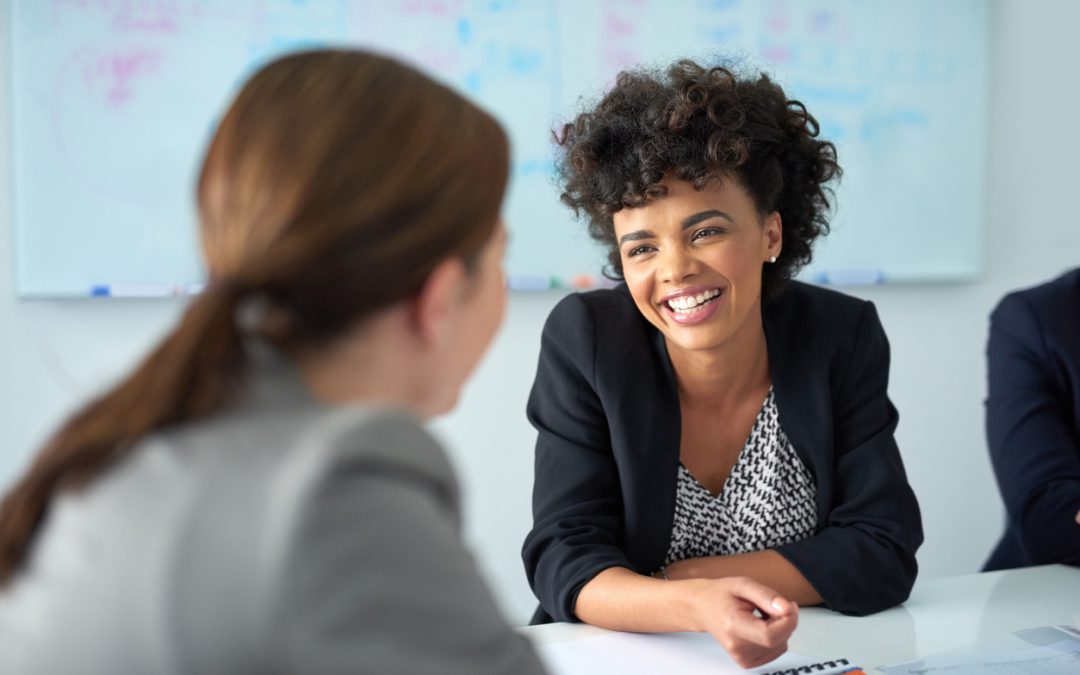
<point>689,304</point>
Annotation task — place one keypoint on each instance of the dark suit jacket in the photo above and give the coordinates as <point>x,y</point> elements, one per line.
<point>1033,422</point>
<point>607,411</point>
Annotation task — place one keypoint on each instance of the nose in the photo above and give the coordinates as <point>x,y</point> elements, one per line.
<point>676,264</point>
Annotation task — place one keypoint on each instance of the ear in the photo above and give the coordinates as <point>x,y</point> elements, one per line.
<point>774,235</point>
<point>433,308</point>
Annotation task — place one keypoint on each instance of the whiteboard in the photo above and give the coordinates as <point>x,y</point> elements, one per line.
<point>113,102</point>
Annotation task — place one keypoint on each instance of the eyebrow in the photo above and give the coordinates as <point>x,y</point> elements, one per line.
<point>687,223</point>
<point>693,220</point>
<point>637,235</point>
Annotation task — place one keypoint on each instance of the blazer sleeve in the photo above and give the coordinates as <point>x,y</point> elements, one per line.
<point>377,579</point>
<point>577,501</point>
<point>862,559</point>
<point>1032,445</point>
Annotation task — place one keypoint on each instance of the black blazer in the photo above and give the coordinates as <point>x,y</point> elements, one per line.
<point>607,411</point>
<point>1033,422</point>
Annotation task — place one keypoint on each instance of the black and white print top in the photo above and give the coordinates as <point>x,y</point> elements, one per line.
<point>769,499</point>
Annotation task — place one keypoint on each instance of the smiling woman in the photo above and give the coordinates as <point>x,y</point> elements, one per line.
<point>710,425</point>
<point>691,231</point>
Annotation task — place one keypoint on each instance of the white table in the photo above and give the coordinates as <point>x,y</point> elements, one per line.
<point>942,614</point>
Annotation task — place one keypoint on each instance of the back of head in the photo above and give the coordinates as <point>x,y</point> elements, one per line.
<point>335,183</point>
<point>338,180</point>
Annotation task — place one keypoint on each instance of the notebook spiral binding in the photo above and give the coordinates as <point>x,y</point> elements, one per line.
<point>812,668</point>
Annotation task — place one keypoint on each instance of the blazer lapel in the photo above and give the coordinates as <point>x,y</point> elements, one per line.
<point>798,367</point>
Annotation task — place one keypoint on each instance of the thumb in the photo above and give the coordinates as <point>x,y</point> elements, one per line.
<point>762,597</point>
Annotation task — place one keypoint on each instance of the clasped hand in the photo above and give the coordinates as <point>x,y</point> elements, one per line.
<point>751,621</point>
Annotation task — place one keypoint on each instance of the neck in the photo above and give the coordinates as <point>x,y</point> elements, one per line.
<point>727,373</point>
<point>370,365</point>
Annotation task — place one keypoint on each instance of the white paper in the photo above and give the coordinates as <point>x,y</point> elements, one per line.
<point>1061,657</point>
<point>649,654</point>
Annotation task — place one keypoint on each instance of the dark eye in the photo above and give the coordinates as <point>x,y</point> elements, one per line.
<point>706,232</point>
<point>638,250</point>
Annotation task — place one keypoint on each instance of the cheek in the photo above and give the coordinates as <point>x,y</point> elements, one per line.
<point>740,264</point>
<point>641,288</point>
<point>500,303</point>
<point>494,306</point>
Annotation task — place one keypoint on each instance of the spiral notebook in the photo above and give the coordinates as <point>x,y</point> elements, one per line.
<point>820,668</point>
<point>685,653</point>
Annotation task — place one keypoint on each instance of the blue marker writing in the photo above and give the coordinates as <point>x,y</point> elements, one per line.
<point>850,277</point>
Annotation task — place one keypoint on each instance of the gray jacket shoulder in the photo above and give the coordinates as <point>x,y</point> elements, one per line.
<point>356,565</point>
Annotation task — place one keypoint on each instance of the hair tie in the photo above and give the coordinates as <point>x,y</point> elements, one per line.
<point>248,306</point>
<point>231,288</point>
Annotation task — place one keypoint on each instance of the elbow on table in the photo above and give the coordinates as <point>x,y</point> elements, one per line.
<point>883,596</point>
<point>557,581</point>
<point>1047,541</point>
<point>868,606</point>
<point>878,589</point>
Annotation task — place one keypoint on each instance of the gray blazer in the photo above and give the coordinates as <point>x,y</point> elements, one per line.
<point>282,536</point>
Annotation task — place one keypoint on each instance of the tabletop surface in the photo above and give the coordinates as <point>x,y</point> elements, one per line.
<point>942,614</point>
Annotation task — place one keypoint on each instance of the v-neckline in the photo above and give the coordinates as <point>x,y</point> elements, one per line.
<point>758,421</point>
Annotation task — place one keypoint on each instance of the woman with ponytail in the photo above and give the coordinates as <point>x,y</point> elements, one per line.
<point>258,495</point>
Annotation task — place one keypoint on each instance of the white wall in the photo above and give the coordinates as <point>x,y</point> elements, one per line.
<point>53,353</point>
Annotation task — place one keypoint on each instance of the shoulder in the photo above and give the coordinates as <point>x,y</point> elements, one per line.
<point>383,442</point>
<point>818,335</point>
<point>356,480</point>
<point>380,459</point>
<point>285,456</point>
<point>604,308</point>
<point>602,324</point>
<point>1057,301</point>
<point>809,310</point>
<point>287,437</point>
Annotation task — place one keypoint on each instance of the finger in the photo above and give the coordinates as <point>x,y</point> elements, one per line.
<point>761,596</point>
<point>782,606</point>
<point>791,606</point>
<point>764,633</point>
<point>762,657</point>
<point>780,629</point>
<point>791,615</point>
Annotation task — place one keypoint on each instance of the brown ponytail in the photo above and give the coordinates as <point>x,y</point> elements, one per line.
<point>190,374</point>
<point>335,183</point>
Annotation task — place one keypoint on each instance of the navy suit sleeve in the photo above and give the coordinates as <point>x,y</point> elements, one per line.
<point>1032,445</point>
<point>862,559</point>
<point>577,516</point>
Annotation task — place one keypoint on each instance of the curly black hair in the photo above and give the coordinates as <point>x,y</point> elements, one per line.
<point>698,124</point>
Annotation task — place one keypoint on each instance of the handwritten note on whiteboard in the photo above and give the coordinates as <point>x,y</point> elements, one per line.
<point>113,101</point>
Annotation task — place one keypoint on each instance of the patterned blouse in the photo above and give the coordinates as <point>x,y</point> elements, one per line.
<point>769,499</point>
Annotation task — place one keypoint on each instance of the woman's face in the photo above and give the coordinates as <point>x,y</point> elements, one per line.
<point>693,259</point>
<point>480,312</point>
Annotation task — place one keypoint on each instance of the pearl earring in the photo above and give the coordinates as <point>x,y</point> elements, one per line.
<point>772,259</point>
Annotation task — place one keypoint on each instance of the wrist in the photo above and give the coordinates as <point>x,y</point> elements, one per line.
<point>691,602</point>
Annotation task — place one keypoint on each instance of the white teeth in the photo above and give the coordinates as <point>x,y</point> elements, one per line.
<point>687,303</point>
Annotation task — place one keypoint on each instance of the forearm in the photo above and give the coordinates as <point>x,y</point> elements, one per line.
<point>619,599</point>
<point>750,621</point>
<point>765,567</point>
